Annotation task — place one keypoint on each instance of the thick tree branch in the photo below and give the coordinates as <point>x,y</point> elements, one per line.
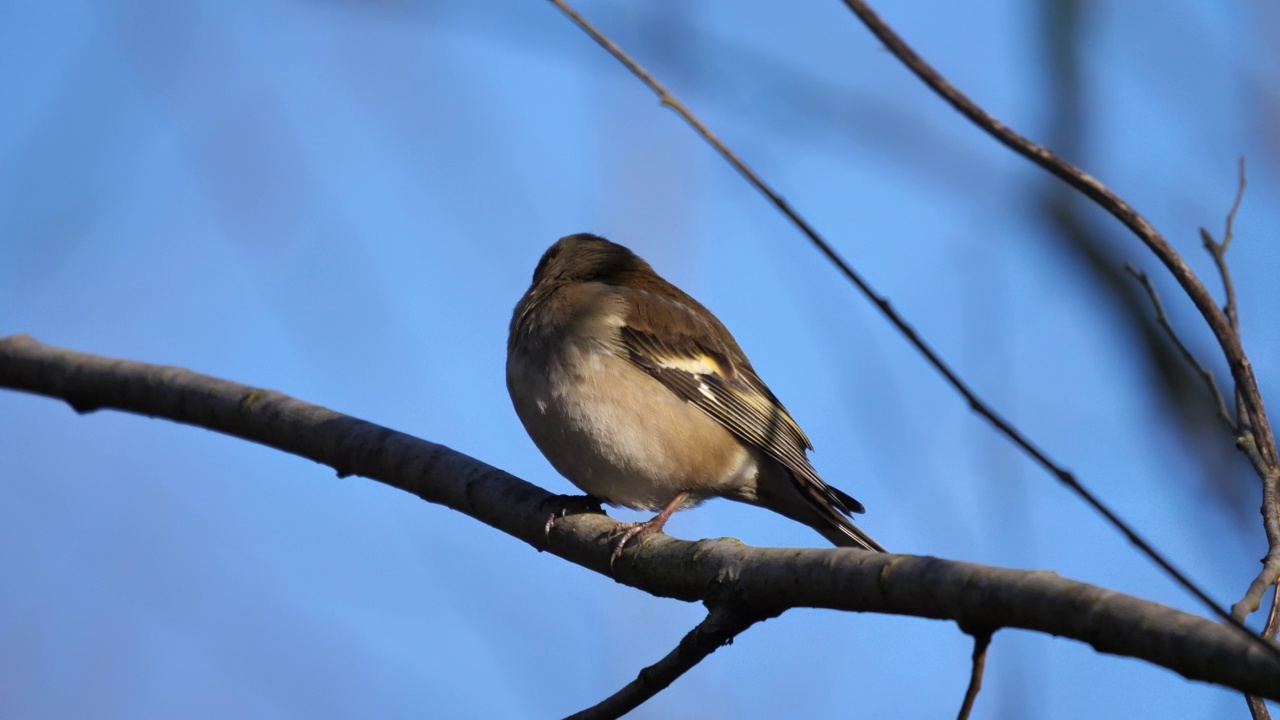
<point>719,628</point>
<point>761,580</point>
<point>975,403</point>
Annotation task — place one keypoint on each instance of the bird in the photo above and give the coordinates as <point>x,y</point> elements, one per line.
<point>642,398</point>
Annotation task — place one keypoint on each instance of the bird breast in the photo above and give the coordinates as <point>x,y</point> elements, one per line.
<point>620,435</point>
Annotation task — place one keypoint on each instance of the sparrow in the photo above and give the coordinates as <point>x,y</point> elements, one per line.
<point>640,396</point>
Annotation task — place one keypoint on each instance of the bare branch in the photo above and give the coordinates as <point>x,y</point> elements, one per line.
<point>718,629</point>
<point>981,641</point>
<point>976,403</point>
<point>1270,572</point>
<point>1228,339</point>
<point>762,580</point>
<point>1273,618</point>
<point>1250,411</point>
<point>1258,708</point>
<point>1218,250</point>
<point>1203,372</point>
<point>1247,442</point>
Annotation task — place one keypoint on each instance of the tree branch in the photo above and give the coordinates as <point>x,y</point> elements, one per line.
<point>1257,708</point>
<point>1163,321</point>
<point>1247,442</point>
<point>1228,339</point>
<point>981,641</point>
<point>761,580</point>
<point>1251,415</point>
<point>1218,250</point>
<point>1270,572</point>
<point>719,628</point>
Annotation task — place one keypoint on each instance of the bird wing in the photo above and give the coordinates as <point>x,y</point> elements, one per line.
<point>681,345</point>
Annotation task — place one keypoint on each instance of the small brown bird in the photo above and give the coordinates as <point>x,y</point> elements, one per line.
<point>640,397</point>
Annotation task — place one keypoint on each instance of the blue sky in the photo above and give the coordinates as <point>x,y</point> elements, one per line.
<point>343,201</point>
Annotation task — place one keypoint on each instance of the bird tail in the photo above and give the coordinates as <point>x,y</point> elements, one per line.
<point>817,505</point>
<point>827,512</point>
<point>843,533</point>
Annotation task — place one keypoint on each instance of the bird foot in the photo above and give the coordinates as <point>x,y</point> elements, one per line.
<point>632,531</point>
<point>566,505</point>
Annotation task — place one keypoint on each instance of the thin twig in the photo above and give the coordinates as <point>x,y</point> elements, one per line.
<point>1241,368</point>
<point>1163,320</point>
<point>718,629</point>
<point>1218,250</point>
<point>1273,618</point>
<point>1246,441</point>
<point>1269,473</point>
<point>981,641</point>
<point>1258,707</point>
<point>887,310</point>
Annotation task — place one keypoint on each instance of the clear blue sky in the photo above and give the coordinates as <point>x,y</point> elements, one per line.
<point>343,201</point>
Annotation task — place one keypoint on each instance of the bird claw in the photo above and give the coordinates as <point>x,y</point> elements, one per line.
<point>569,505</point>
<point>631,531</point>
<point>648,527</point>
